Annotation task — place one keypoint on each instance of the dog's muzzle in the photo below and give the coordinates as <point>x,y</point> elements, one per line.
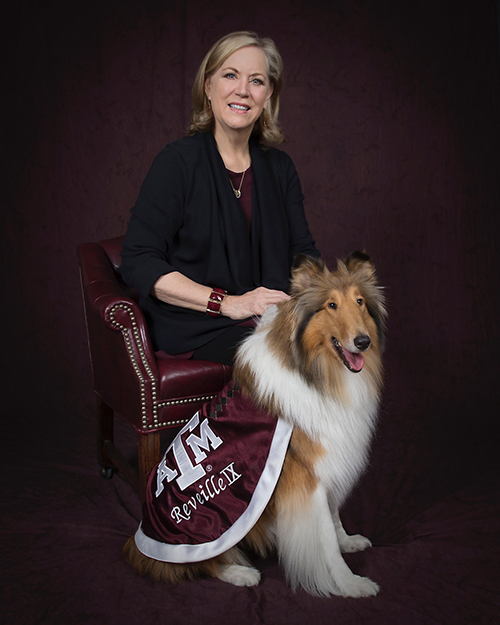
<point>353,361</point>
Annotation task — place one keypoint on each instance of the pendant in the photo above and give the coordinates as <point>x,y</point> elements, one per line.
<point>237,193</point>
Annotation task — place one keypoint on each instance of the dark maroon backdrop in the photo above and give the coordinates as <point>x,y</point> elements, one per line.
<point>392,116</point>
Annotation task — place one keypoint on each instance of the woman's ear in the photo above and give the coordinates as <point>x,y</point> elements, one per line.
<point>208,87</point>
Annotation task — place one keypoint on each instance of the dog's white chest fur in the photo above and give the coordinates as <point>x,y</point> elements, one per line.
<point>343,428</point>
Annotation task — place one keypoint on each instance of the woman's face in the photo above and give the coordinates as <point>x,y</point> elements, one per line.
<point>239,90</point>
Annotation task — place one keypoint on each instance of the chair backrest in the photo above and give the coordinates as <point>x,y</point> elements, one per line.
<point>113,248</point>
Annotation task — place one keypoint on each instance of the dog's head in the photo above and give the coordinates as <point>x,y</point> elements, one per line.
<point>340,315</point>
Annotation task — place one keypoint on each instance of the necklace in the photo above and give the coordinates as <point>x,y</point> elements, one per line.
<point>237,192</point>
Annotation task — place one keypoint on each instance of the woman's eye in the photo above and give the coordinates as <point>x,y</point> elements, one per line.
<point>229,75</point>
<point>257,81</point>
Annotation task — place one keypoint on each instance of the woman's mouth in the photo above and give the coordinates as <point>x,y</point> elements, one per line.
<point>239,107</point>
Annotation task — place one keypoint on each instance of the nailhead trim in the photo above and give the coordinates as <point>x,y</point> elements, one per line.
<point>136,334</point>
<point>169,423</point>
<point>189,400</point>
<point>156,404</point>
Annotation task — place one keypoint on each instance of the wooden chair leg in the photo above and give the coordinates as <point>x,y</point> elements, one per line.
<point>148,446</point>
<point>111,459</point>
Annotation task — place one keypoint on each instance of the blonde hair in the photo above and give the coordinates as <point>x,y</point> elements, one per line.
<point>267,129</point>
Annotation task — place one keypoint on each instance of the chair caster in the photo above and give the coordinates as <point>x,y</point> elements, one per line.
<point>107,472</point>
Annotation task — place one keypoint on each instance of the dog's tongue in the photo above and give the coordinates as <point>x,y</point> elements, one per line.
<point>355,360</point>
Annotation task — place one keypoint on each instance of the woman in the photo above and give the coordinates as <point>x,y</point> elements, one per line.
<point>219,216</point>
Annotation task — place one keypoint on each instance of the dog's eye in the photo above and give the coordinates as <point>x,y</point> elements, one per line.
<point>332,305</point>
<point>360,301</point>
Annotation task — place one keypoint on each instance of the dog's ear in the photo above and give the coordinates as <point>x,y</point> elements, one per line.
<point>304,269</point>
<point>357,258</point>
<point>361,261</point>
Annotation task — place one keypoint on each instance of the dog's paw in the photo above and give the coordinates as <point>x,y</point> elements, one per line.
<point>357,586</point>
<point>351,544</point>
<point>240,575</point>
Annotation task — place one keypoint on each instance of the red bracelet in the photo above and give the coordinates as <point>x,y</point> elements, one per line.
<point>215,302</point>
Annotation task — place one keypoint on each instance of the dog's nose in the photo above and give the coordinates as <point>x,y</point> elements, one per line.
<point>362,342</point>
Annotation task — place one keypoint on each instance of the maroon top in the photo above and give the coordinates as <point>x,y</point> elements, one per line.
<point>246,191</point>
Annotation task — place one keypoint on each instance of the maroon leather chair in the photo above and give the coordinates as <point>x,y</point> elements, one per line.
<point>152,391</point>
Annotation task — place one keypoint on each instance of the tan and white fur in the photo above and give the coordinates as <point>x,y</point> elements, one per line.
<point>315,361</point>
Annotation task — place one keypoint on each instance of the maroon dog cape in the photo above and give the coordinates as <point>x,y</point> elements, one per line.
<point>214,481</point>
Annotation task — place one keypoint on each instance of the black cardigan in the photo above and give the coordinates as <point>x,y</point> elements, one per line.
<point>187,219</point>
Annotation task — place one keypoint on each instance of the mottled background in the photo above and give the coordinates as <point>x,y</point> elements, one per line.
<point>392,116</point>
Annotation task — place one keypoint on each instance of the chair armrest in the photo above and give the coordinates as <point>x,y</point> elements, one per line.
<point>121,314</point>
<point>120,347</point>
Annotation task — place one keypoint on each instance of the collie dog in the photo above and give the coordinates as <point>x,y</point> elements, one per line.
<point>314,361</point>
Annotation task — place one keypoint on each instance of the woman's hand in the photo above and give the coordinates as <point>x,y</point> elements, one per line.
<point>251,304</point>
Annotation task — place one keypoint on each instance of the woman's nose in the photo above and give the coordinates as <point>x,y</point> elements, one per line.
<point>242,88</point>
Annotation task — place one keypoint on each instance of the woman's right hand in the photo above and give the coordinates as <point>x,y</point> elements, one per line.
<point>251,304</point>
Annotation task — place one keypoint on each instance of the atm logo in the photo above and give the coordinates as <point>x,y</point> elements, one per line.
<point>187,472</point>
